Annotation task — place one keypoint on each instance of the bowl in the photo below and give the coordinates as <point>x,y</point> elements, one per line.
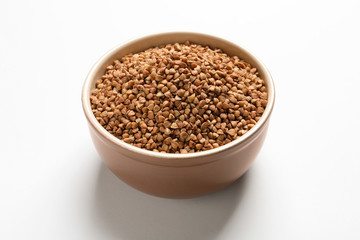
<point>177,175</point>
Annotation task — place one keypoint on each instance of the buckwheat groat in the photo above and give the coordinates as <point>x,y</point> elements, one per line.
<point>179,98</point>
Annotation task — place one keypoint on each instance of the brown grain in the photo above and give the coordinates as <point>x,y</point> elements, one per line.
<point>179,98</point>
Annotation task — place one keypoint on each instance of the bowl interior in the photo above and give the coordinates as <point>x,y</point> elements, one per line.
<point>160,39</point>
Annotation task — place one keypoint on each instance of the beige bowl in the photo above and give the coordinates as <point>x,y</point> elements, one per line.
<point>177,175</point>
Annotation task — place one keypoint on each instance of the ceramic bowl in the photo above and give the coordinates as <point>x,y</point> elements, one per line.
<point>177,175</point>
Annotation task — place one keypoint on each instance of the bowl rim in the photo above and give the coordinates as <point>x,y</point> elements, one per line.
<point>147,153</point>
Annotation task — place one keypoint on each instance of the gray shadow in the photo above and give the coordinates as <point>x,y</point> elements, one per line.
<point>125,213</point>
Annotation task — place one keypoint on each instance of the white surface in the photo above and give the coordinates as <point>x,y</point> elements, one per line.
<point>303,185</point>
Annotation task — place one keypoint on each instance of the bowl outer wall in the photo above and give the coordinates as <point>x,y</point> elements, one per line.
<point>180,181</point>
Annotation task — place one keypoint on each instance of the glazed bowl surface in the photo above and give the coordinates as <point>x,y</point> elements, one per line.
<point>177,175</point>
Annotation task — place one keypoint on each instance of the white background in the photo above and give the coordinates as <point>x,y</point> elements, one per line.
<point>305,183</point>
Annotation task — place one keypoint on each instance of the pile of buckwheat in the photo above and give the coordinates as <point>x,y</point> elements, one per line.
<point>179,98</point>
